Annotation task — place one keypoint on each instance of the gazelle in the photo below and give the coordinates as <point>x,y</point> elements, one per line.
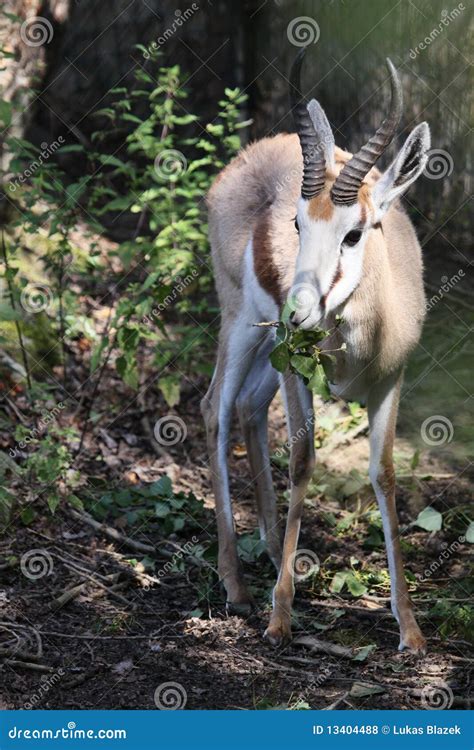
<point>352,251</point>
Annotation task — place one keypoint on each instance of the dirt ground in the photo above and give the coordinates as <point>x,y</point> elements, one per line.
<point>99,632</point>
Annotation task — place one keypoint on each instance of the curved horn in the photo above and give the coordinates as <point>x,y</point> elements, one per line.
<point>345,189</point>
<point>314,166</point>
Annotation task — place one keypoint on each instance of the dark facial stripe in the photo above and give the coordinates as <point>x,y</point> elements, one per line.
<point>263,261</point>
<point>336,279</point>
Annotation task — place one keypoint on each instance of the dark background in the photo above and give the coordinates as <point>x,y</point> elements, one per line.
<point>246,44</point>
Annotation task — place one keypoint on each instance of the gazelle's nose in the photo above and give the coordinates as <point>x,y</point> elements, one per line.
<point>297,317</point>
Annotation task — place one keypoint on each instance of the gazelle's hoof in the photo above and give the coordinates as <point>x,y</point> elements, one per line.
<point>278,633</point>
<point>240,609</point>
<point>413,641</point>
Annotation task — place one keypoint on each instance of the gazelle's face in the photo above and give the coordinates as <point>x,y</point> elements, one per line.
<point>330,258</point>
<point>335,216</point>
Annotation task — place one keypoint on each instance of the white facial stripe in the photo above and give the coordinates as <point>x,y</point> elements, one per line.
<point>326,268</point>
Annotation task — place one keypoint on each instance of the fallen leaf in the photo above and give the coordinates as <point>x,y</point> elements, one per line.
<point>239,451</point>
<point>361,654</point>
<point>429,519</point>
<point>361,689</point>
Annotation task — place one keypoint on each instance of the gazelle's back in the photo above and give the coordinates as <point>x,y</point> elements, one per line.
<point>263,179</point>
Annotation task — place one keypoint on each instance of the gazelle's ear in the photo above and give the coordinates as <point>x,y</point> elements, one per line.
<point>404,169</point>
<point>323,130</point>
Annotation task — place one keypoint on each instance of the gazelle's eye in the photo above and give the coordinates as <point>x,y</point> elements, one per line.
<point>352,238</point>
<point>296,225</point>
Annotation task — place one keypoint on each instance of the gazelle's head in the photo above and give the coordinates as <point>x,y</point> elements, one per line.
<point>337,209</point>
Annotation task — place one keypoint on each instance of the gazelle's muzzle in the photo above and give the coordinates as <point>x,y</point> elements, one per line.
<point>305,303</point>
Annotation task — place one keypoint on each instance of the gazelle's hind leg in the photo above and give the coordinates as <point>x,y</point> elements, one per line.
<point>299,408</point>
<point>382,408</point>
<point>253,401</point>
<point>238,343</point>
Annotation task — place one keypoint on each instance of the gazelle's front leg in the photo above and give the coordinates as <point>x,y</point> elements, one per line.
<point>238,345</point>
<point>383,409</point>
<point>299,403</point>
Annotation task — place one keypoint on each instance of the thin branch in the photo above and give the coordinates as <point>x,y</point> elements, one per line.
<point>17,322</point>
<point>112,533</point>
<point>94,393</point>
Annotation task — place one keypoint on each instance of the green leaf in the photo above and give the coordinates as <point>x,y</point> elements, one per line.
<point>27,515</point>
<point>121,365</point>
<point>364,652</point>
<point>415,460</point>
<point>355,586</point>
<point>162,487</point>
<point>374,538</point>
<point>162,509</point>
<point>250,547</point>
<point>75,502</point>
<point>429,519</point>
<point>53,502</point>
<point>111,161</point>
<point>280,357</point>
<point>6,506</point>
<point>337,583</point>
<point>8,313</point>
<point>470,533</point>
<point>362,689</point>
<point>305,366</point>
<point>281,333</point>
<point>12,16</point>
<point>196,613</point>
<point>5,113</point>
<point>74,148</point>
<point>170,386</point>
<point>318,383</point>
<point>122,203</point>
<point>286,312</point>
